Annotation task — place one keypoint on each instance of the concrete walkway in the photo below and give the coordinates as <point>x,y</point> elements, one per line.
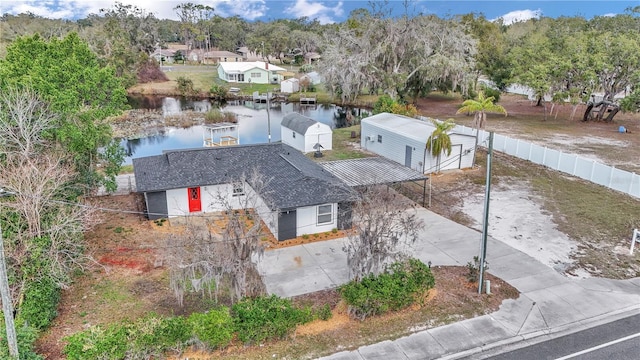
<point>550,303</point>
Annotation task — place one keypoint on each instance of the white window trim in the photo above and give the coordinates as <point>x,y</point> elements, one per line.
<point>318,214</point>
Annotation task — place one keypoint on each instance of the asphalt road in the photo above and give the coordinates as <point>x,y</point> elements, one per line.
<point>617,340</point>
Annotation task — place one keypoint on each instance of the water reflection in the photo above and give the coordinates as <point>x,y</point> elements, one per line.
<point>255,123</point>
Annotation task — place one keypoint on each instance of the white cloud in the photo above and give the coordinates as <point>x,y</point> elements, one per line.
<point>519,15</point>
<point>315,10</point>
<point>162,9</point>
<point>609,15</point>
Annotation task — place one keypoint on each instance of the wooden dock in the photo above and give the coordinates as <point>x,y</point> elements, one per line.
<point>307,100</point>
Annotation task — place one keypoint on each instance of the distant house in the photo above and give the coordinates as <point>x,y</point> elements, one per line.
<point>290,86</point>
<point>403,140</point>
<point>257,72</point>
<point>304,133</point>
<point>217,56</point>
<point>163,56</point>
<point>298,196</point>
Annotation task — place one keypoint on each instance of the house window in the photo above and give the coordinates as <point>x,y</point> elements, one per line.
<point>325,214</point>
<point>256,75</point>
<point>380,138</point>
<point>294,134</point>
<point>238,189</point>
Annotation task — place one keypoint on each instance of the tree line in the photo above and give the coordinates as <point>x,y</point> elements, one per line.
<point>563,60</point>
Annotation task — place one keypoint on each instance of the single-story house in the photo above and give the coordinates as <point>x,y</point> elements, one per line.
<point>218,56</point>
<point>304,133</point>
<point>297,196</point>
<point>163,56</point>
<point>403,140</point>
<point>257,72</point>
<point>290,86</point>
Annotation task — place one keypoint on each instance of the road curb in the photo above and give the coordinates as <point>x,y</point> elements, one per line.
<point>548,334</point>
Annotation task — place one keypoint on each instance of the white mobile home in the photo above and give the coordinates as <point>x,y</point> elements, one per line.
<point>403,140</point>
<point>304,133</point>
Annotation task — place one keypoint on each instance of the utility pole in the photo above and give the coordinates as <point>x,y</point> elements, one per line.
<point>268,117</point>
<point>7,305</point>
<point>485,222</point>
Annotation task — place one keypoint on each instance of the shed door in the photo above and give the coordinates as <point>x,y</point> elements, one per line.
<point>287,226</point>
<point>195,203</point>
<point>407,156</point>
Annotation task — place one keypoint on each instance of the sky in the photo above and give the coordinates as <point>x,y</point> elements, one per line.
<point>327,11</point>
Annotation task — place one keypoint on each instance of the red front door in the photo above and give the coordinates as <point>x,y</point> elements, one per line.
<point>195,204</point>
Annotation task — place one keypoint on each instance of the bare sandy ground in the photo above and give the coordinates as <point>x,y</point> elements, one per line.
<point>517,219</point>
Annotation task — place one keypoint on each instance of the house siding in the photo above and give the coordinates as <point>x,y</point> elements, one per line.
<point>307,220</point>
<point>393,147</point>
<point>156,205</point>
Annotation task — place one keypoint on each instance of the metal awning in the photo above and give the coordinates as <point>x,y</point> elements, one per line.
<point>371,171</point>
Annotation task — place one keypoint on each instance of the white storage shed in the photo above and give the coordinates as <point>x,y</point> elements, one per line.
<point>290,86</point>
<point>403,140</point>
<point>304,133</point>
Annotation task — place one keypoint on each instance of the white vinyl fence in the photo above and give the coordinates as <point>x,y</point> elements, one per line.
<point>587,169</point>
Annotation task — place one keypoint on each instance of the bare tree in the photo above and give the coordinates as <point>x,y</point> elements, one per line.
<point>208,257</point>
<point>383,224</point>
<point>36,174</point>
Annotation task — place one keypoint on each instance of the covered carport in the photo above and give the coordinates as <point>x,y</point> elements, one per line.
<point>374,171</point>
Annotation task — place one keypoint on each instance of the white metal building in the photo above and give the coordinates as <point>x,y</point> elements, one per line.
<point>304,133</point>
<point>403,140</point>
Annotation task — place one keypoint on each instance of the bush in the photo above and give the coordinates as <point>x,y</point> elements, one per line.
<point>98,343</point>
<point>150,71</point>
<point>218,91</point>
<point>213,328</point>
<point>217,116</point>
<point>489,91</point>
<point>306,68</point>
<point>40,303</point>
<point>399,286</point>
<point>386,104</point>
<point>185,86</point>
<point>26,336</point>
<point>324,313</point>
<point>148,337</point>
<point>153,335</point>
<point>266,318</point>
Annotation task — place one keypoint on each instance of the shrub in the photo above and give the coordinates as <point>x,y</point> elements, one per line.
<point>213,328</point>
<point>399,286</point>
<point>148,337</point>
<point>218,91</point>
<point>40,303</point>
<point>473,269</point>
<point>265,318</point>
<point>489,91</point>
<point>26,336</point>
<point>306,68</point>
<point>153,335</point>
<point>216,116</point>
<point>324,313</point>
<point>185,86</point>
<point>150,71</point>
<point>98,343</point>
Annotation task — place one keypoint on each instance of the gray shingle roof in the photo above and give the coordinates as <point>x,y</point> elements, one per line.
<point>292,180</point>
<point>298,123</point>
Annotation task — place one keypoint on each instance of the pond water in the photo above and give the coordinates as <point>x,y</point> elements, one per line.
<point>254,123</point>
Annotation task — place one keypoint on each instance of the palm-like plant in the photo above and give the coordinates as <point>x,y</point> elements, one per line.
<point>439,142</point>
<point>480,108</point>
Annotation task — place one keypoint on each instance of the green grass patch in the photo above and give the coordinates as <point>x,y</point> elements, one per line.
<point>344,145</point>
